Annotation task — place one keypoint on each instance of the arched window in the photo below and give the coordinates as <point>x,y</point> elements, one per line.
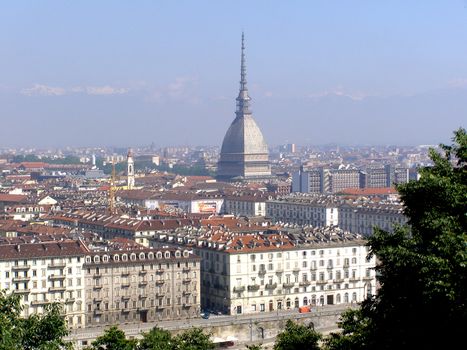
<point>150,255</point>
<point>287,303</point>
<point>369,291</point>
<point>116,257</point>
<point>321,299</point>
<point>354,296</point>
<point>305,301</point>
<point>159,255</point>
<point>338,299</point>
<point>313,299</point>
<point>186,253</point>
<point>346,297</point>
<point>141,256</point>
<point>167,255</point>
<point>296,303</point>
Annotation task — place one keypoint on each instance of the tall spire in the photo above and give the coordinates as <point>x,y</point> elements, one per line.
<point>243,100</point>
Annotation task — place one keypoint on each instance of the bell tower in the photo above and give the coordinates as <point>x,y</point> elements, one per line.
<point>130,170</point>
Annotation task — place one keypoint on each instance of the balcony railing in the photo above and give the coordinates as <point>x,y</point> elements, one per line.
<point>21,267</point>
<point>160,282</point>
<point>270,286</point>
<point>262,271</point>
<point>304,283</point>
<point>21,279</point>
<point>39,302</point>
<point>239,289</point>
<point>321,282</point>
<point>59,264</point>
<point>56,277</point>
<point>288,284</point>
<point>57,289</point>
<point>253,287</point>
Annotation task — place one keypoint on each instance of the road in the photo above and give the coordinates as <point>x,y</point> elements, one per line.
<point>134,330</point>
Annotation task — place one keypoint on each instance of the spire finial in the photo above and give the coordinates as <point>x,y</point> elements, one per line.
<point>243,98</point>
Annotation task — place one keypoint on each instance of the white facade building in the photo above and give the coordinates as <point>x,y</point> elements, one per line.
<point>301,209</point>
<point>43,273</point>
<point>258,273</point>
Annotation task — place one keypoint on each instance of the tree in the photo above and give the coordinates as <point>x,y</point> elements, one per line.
<point>255,347</point>
<point>113,339</point>
<point>193,339</point>
<point>10,323</point>
<point>422,268</point>
<point>36,332</point>
<point>46,331</point>
<point>156,339</point>
<point>297,336</point>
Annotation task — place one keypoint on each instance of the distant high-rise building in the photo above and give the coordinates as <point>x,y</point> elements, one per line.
<point>244,152</point>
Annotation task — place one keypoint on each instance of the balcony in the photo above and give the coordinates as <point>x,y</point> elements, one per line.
<point>186,305</point>
<point>160,307</point>
<point>142,272</point>
<point>97,312</point>
<point>125,297</point>
<point>143,309</point>
<point>143,283</point>
<point>296,269</point>
<point>39,302</point>
<point>97,286</point>
<point>21,279</point>
<point>354,279</point>
<point>20,267</point>
<point>159,271</point>
<point>57,289</point>
<point>57,265</point>
<point>143,296</point>
<point>329,267</point>
<point>304,283</point>
<point>97,300</point>
<point>288,285</point>
<point>262,271</point>
<point>239,289</point>
<point>270,286</point>
<point>253,287</point>
<point>125,273</point>
<point>22,291</point>
<point>338,280</point>
<point>56,277</point>
<point>367,278</point>
<point>126,310</point>
<point>279,270</point>
<point>160,282</point>
<point>321,282</point>
<point>70,300</point>
<point>186,280</point>
<point>186,292</point>
<point>186,269</point>
<point>313,268</point>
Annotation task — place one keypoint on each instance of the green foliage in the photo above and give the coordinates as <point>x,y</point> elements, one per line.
<point>255,347</point>
<point>297,336</point>
<point>10,323</point>
<point>113,339</point>
<point>36,332</point>
<point>193,339</point>
<point>46,331</point>
<point>422,268</point>
<point>156,339</point>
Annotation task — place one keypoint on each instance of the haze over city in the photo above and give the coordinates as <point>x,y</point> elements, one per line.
<point>112,73</point>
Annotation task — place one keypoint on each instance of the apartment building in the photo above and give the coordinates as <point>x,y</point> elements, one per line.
<point>304,209</point>
<point>141,285</point>
<point>248,273</point>
<point>46,272</point>
<point>245,205</point>
<point>363,217</point>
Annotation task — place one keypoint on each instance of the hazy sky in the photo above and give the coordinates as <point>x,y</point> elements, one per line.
<point>129,73</point>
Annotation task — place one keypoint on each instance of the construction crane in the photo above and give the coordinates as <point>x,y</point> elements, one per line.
<point>112,189</point>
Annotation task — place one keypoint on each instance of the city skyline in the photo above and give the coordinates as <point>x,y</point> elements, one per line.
<point>162,72</point>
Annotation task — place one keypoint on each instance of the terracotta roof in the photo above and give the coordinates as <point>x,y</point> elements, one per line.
<point>13,198</point>
<point>39,250</point>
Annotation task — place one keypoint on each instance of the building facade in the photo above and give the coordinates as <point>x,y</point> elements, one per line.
<point>141,286</point>
<point>314,210</point>
<point>257,274</point>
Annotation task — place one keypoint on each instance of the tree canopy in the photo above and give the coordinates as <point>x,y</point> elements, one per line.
<point>36,332</point>
<point>422,268</point>
<point>297,337</point>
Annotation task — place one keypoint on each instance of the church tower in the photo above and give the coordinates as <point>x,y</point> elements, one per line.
<point>130,170</point>
<point>244,152</point>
